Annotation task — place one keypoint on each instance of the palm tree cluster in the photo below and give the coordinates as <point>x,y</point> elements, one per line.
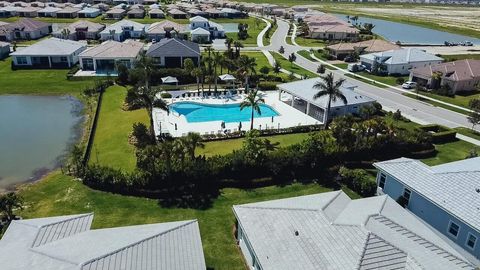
<point>327,86</point>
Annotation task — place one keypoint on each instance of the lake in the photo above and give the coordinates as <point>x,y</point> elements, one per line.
<point>35,135</point>
<point>410,34</point>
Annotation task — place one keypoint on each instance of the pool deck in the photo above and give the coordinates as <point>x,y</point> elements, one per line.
<point>288,117</point>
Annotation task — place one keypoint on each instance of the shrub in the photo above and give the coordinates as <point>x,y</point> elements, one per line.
<point>166,95</point>
<point>267,85</point>
<point>440,134</point>
<point>400,80</point>
<point>358,180</point>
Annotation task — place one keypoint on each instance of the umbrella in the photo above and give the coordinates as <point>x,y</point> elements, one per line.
<point>227,77</point>
<point>169,79</point>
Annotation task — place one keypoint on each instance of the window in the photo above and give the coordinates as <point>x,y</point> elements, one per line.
<point>381,182</point>
<point>453,229</point>
<point>471,240</point>
<point>22,60</point>
<point>406,195</point>
<point>63,59</point>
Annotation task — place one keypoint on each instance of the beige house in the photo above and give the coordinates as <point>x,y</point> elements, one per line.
<point>343,49</point>
<point>329,27</point>
<point>81,30</point>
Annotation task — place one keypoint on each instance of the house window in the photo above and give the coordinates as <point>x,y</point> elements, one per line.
<point>63,59</point>
<point>381,182</point>
<point>406,195</point>
<point>471,241</point>
<point>22,60</point>
<point>453,229</point>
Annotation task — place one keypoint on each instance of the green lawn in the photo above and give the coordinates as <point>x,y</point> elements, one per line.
<point>459,100</point>
<point>292,67</point>
<point>434,103</point>
<point>111,146</point>
<point>306,54</point>
<point>468,132</point>
<point>266,41</point>
<point>341,65</point>
<point>39,82</point>
<point>390,80</point>
<point>364,80</point>
<point>309,42</point>
<point>449,152</point>
<point>61,195</point>
<point>227,146</point>
<point>253,30</point>
<point>449,58</point>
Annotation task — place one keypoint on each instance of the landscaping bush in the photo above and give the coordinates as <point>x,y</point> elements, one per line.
<point>400,80</point>
<point>166,95</point>
<point>440,134</point>
<point>358,180</point>
<point>267,85</point>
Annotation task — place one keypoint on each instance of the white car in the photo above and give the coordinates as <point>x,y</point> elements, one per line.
<point>409,85</point>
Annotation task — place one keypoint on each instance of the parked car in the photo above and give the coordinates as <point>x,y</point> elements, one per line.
<point>355,67</point>
<point>467,43</point>
<point>409,85</point>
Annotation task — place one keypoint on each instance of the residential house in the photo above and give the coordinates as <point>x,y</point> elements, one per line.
<point>81,30</point>
<point>4,49</point>
<point>49,53</point>
<point>232,13</point>
<point>177,14</point>
<point>69,243</point>
<point>328,27</point>
<point>447,196</point>
<point>68,13</point>
<point>300,95</point>
<point>156,14</point>
<point>196,12</point>
<point>24,29</point>
<point>136,13</point>
<point>104,58</point>
<point>213,13</point>
<point>102,7</point>
<point>89,12</point>
<point>216,30</point>
<point>399,61</point>
<point>460,75</point>
<point>28,12</point>
<point>171,52</point>
<point>165,29</point>
<point>200,35</point>
<point>343,49</point>
<point>48,11</point>
<point>331,231</point>
<point>115,13</point>
<point>123,30</point>
<point>8,11</point>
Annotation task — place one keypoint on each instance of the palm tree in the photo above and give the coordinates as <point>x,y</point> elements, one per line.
<point>277,67</point>
<point>65,33</point>
<point>197,73</point>
<point>329,87</point>
<point>237,45</point>
<point>252,100</point>
<point>217,59</point>
<point>247,67</point>
<point>191,142</point>
<point>146,64</point>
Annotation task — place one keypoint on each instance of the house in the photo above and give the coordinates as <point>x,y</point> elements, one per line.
<point>104,58</point>
<point>28,12</point>
<point>196,12</point>
<point>115,13</point>
<point>24,29</point>
<point>213,13</point>
<point>300,95</point>
<point>214,29</point>
<point>102,7</point>
<point>122,30</point>
<point>69,243</point>
<point>447,196</point>
<point>232,13</point>
<point>68,13</point>
<point>332,231</point>
<point>89,12</point>
<point>49,53</point>
<point>328,27</point>
<point>177,14</point>
<point>156,13</point>
<point>8,11</point>
<point>165,29</point>
<point>460,75</point>
<point>48,12</point>
<point>4,49</point>
<point>171,52</point>
<point>136,13</point>
<point>399,61</point>
<point>81,30</point>
<point>200,35</point>
<point>343,49</point>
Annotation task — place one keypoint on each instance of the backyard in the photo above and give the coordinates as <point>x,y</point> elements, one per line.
<point>292,67</point>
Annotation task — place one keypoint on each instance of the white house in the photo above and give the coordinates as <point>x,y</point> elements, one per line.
<point>4,49</point>
<point>69,243</point>
<point>331,231</point>
<point>89,12</point>
<point>399,61</point>
<point>123,30</point>
<point>216,30</point>
<point>48,11</point>
<point>49,53</point>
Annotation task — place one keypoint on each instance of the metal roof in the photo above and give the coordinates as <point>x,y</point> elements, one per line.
<point>402,56</point>
<point>452,186</point>
<point>70,244</point>
<point>173,47</point>
<point>312,232</point>
<point>51,47</point>
<point>111,49</point>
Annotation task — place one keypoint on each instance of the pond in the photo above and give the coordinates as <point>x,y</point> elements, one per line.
<point>230,27</point>
<point>35,135</point>
<point>410,34</point>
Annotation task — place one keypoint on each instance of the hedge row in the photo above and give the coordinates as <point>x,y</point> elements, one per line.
<point>358,180</point>
<point>440,134</point>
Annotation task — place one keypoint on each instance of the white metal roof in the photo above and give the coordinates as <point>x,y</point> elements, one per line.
<point>313,232</point>
<point>69,244</point>
<point>402,56</point>
<point>119,26</point>
<point>452,186</point>
<point>51,47</point>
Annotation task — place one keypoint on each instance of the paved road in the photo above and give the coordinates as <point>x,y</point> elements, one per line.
<point>390,99</point>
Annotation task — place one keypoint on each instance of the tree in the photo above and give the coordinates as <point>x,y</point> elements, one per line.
<point>264,70</point>
<point>277,67</point>
<point>188,65</point>
<point>292,58</point>
<point>197,73</point>
<point>8,203</point>
<point>122,71</point>
<point>281,50</point>
<point>253,100</point>
<point>237,44</point>
<point>247,67</point>
<point>321,69</point>
<point>217,59</point>
<point>330,88</point>
<point>191,142</point>
<point>65,33</point>
<point>75,164</point>
<point>474,115</point>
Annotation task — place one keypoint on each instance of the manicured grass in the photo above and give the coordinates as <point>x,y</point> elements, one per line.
<point>449,152</point>
<point>292,67</point>
<point>434,103</point>
<point>227,146</point>
<point>266,41</point>
<point>364,80</point>
<point>309,42</point>
<point>390,80</point>
<point>468,132</point>
<point>61,195</point>
<point>319,55</point>
<point>342,65</point>
<point>253,30</point>
<point>449,58</point>
<point>306,54</point>
<point>111,147</point>
<point>39,82</point>
<point>459,100</point>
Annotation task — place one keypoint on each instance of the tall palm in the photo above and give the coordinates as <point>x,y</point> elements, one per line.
<point>330,88</point>
<point>147,96</point>
<point>197,73</point>
<point>247,67</point>
<point>237,45</point>
<point>145,64</point>
<point>191,142</point>
<point>217,59</point>
<point>253,99</point>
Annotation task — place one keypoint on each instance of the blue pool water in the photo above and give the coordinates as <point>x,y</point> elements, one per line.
<point>196,112</point>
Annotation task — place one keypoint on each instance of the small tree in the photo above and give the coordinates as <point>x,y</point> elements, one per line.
<point>281,50</point>
<point>264,70</point>
<point>474,115</point>
<point>292,58</point>
<point>8,203</point>
<point>277,67</point>
<point>123,74</point>
<point>321,69</point>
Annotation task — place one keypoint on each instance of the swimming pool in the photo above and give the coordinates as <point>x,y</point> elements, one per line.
<point>196,112</point>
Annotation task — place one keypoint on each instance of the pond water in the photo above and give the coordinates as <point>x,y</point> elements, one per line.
<point>410,34</point>
<point>230,27</point>
<point>35,135</point>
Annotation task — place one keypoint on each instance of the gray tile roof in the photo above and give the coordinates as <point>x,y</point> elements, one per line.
<point>68,243</point>
<point>173,47</point>
<point>52,47</point>
<point>27,24</point>
<point>452,186</point>
<point>403,56</point>
<point>315,233</point>
<point>111,49</point>
<point>118,26</point>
